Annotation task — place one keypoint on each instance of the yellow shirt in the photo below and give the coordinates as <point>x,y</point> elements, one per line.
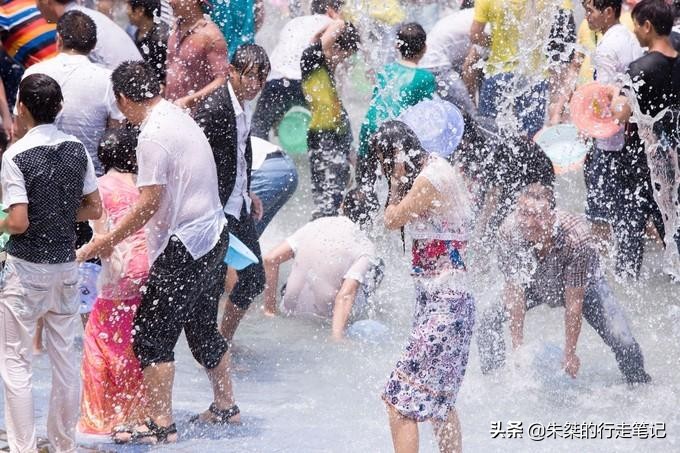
<point>587,40</point>
<point>511,20</point>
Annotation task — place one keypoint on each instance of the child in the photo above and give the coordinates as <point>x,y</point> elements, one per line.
<point>151,36</point>
<point>48,183</point>
<point>400,85</point>
<point>329,137</point>
<point>111,373</point>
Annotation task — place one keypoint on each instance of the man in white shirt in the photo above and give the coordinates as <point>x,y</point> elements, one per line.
<point>114,46</point>
<point>283,89</point>
<point>179,206</point>
<point>89,105</point>
<point>224,119</point>
<point>335,267</point>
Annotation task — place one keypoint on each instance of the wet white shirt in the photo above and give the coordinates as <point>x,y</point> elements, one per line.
<point>448,41</point>
<point>239,194</point>
<point>173,152</point>
<point>88,99</point>
<point>327,251</point>
<point>114,45</point>
<point>294,38</point>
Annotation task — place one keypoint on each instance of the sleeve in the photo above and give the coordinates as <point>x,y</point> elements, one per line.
<point>13,184</point>
<point>217,57</point>
<point>482,8</point>
<point>297,238</point>
<point>358,269</point>
<point>90,182</point>
<point>581,268</point>
<point>152,164</point>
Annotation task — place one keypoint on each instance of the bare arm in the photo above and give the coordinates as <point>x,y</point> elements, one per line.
<point>282,253</point>
<point>515,301</point>
<point>471,75</point>
<point>477,34</point>
<point>90,207</point>
<point>344,301</point>
<point>572,328</point>
<point>562,90</point>
<point>217,57</point>
<point>16,221</point>
<point>5,113</point>
<point>620,108</point>
<point>146,206</point>
<point>417,201</point>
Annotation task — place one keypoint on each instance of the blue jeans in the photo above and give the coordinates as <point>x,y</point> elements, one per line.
<point>600,310</point>
<point>274,182</point>
<point>529,104</point>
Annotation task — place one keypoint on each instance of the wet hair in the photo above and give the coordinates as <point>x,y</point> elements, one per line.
<point>540,191</point>
<point>322,6</point>
<point>42,97</point>
<point>392,138</point>
<point>77,32</point>
<point>118,149</point>
<point>151,8</point>
<point>657,12</point>
<point>348,39</point>
<point>136,81</point>
<point>251,57</point>
<point>358,206</point>
<point>616,5</point>
<point>411,39</point>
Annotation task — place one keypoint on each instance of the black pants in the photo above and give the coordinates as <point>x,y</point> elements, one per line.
<point>278,96</point>
<point>182,293</point>
<point>251,280</point>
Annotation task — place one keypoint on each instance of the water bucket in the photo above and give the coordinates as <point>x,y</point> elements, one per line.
<point>589,109</point>
<point>563,147</point>
<point>87,284</point>
<point>438,124</point>
<point>292,130</point>
<point>238,255</point>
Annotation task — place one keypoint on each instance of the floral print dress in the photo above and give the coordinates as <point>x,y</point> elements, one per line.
<point>425,381</point>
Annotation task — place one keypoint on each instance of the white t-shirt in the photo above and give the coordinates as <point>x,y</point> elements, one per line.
<point>114,46</point>
<point>448,42</point>
<point>239,194</point>
<point>327,251</point>
<point>617,49</point>
<point>294,38</point>
<point>88,99</point>
<point>173,152</point>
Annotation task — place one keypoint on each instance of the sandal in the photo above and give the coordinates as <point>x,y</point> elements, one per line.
<point>222,416</point>
<point>155,433</point>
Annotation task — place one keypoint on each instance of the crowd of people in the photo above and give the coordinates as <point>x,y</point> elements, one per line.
<point>138,151</point>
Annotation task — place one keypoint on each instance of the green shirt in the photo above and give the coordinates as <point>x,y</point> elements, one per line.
<point>397,88</point>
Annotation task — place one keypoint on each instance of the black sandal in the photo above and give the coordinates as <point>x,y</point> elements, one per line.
<point>160,433</point>
<point>222,415</point>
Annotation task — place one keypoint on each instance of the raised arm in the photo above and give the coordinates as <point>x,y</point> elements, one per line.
<point>416,202</point>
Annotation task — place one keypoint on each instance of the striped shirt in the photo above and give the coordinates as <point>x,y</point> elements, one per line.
<point>571,262</point>
<point>25,35</point>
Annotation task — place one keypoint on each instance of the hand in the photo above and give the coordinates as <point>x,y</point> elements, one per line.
<point>257,210</point>
<point>8,127</point>
<point>571,364</point>
<point>183,103</point>
<point>99,246</point>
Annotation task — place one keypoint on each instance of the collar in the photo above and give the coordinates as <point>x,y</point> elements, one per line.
<point>238,110</point>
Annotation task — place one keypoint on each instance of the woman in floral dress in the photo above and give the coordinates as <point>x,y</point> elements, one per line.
<point>428,198</point>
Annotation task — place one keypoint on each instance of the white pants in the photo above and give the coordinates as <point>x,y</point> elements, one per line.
<point>29,291</point>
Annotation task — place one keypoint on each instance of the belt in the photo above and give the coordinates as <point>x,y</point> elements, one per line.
<point>275,154</point>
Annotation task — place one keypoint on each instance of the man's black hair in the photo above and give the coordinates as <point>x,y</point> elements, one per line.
<point>616,5</point>
<point>77,31</point>
<point>411,40</point>
<point>348,39</point>
<point>118,149</point>
<point>322,6</point>
<point>358,205</point>
<point>136,81</point>
<point>151,8</point>
<point>249,58</point>
<point>41,95</point>
<point>657,12</point>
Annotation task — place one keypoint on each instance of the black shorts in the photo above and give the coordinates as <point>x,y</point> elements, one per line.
<point>182,293</point>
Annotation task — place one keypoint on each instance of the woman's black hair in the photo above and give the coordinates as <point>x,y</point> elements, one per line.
<point>118,149</point>
<point>392,138</point>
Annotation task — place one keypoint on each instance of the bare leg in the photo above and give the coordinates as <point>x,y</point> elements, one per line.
<point>404,432</point>
<point>448,434</point>
<point>223,390</point>
<point>230,320</point>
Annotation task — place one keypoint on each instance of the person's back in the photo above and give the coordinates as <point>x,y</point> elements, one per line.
<point>327,250</point>
<point>448,41</point>
<point>89,103</point>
